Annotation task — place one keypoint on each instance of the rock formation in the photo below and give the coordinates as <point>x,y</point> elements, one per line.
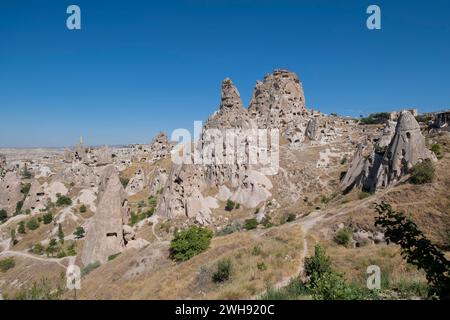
<point>231,113</point>
<point>405,150</point>
<point>386,163</point>
<point>35,199</point>
<point>105,233</point>
<point>279,102</point>
<point>160,147</point>
<point>10,192</point>
<point>137,183</point>
<point>103,156</point>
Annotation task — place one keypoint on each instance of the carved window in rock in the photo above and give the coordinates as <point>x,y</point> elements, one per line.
<point>111,234</point>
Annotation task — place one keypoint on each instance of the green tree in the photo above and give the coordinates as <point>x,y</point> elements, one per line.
<point>416,249</point>
<point>51,248</point>
<point>317,265</point>
<point>60,234</point>
<point>79,233</point>
<point>190,242</point>
<point>21,228</point>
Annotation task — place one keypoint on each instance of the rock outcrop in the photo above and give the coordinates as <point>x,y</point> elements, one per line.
<point>384,164</point>
<point>105,233</point>
<point>231,113</point>
<point>279,102</point>
<point>35,199</point>
<point>137,183</point>
<point>405,150</point>
<point>159,147</point>
<point>10,192</point>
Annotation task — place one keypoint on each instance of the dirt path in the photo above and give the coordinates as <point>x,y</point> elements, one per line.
<point>30,256</point>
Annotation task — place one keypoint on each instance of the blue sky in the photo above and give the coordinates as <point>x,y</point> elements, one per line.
<point>139,67</point>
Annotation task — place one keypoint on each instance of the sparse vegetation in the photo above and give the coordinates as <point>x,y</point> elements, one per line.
<point>251,224</point>
<point>422,172</point>
<point>40,291</point>
<point>83,208</point>
<point>363,194</point>
<point>261,266</point>
<point>60,234</point>
<point>3,216</point>
<point>7,264</point>
<point>223,271</point>
<point>375,118</point>
<point>343,237</point>
<point>113,256</point>
<point>235,227</point>
<point>190,242</point>
<point>89,268</point>
<point>437,150</point>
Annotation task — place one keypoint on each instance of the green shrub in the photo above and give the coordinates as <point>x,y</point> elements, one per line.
<point>363,195</point>
<point>71,249</point>
<point>250,224</point>
<point>266,222</point>
<point>38,249</point>
<point>21,228</point>
<point>13,237</point>
<point>61,254</point>
<point>344,160</point>
<point>422,172</point>
<point>83,208</point>
<point>63,200</point>
<point>223,271</point>
<point>291,217</point>
<point>3,215</point>
<point>47,218</point>
<point>343,237</point>
<point>190,242</point>
<point>436,148</point>
<point>60,233</point>
<point>256,250</point>
<point>32,224</point>
<point>261,266</point>
<point>230,205</point>
<point>235,227</point>
<point>89,268</point>
<point>113,256</point>
<point>19,206</point>
<point>79,233</point>
<point>331,286</point>
<point>7,264</point>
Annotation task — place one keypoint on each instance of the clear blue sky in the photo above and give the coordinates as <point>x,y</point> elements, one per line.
<point>138,67</point>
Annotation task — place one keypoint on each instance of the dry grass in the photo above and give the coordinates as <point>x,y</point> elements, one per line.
<point>280,251</point>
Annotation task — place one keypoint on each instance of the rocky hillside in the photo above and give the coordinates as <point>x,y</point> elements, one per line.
<point>114,211</point>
